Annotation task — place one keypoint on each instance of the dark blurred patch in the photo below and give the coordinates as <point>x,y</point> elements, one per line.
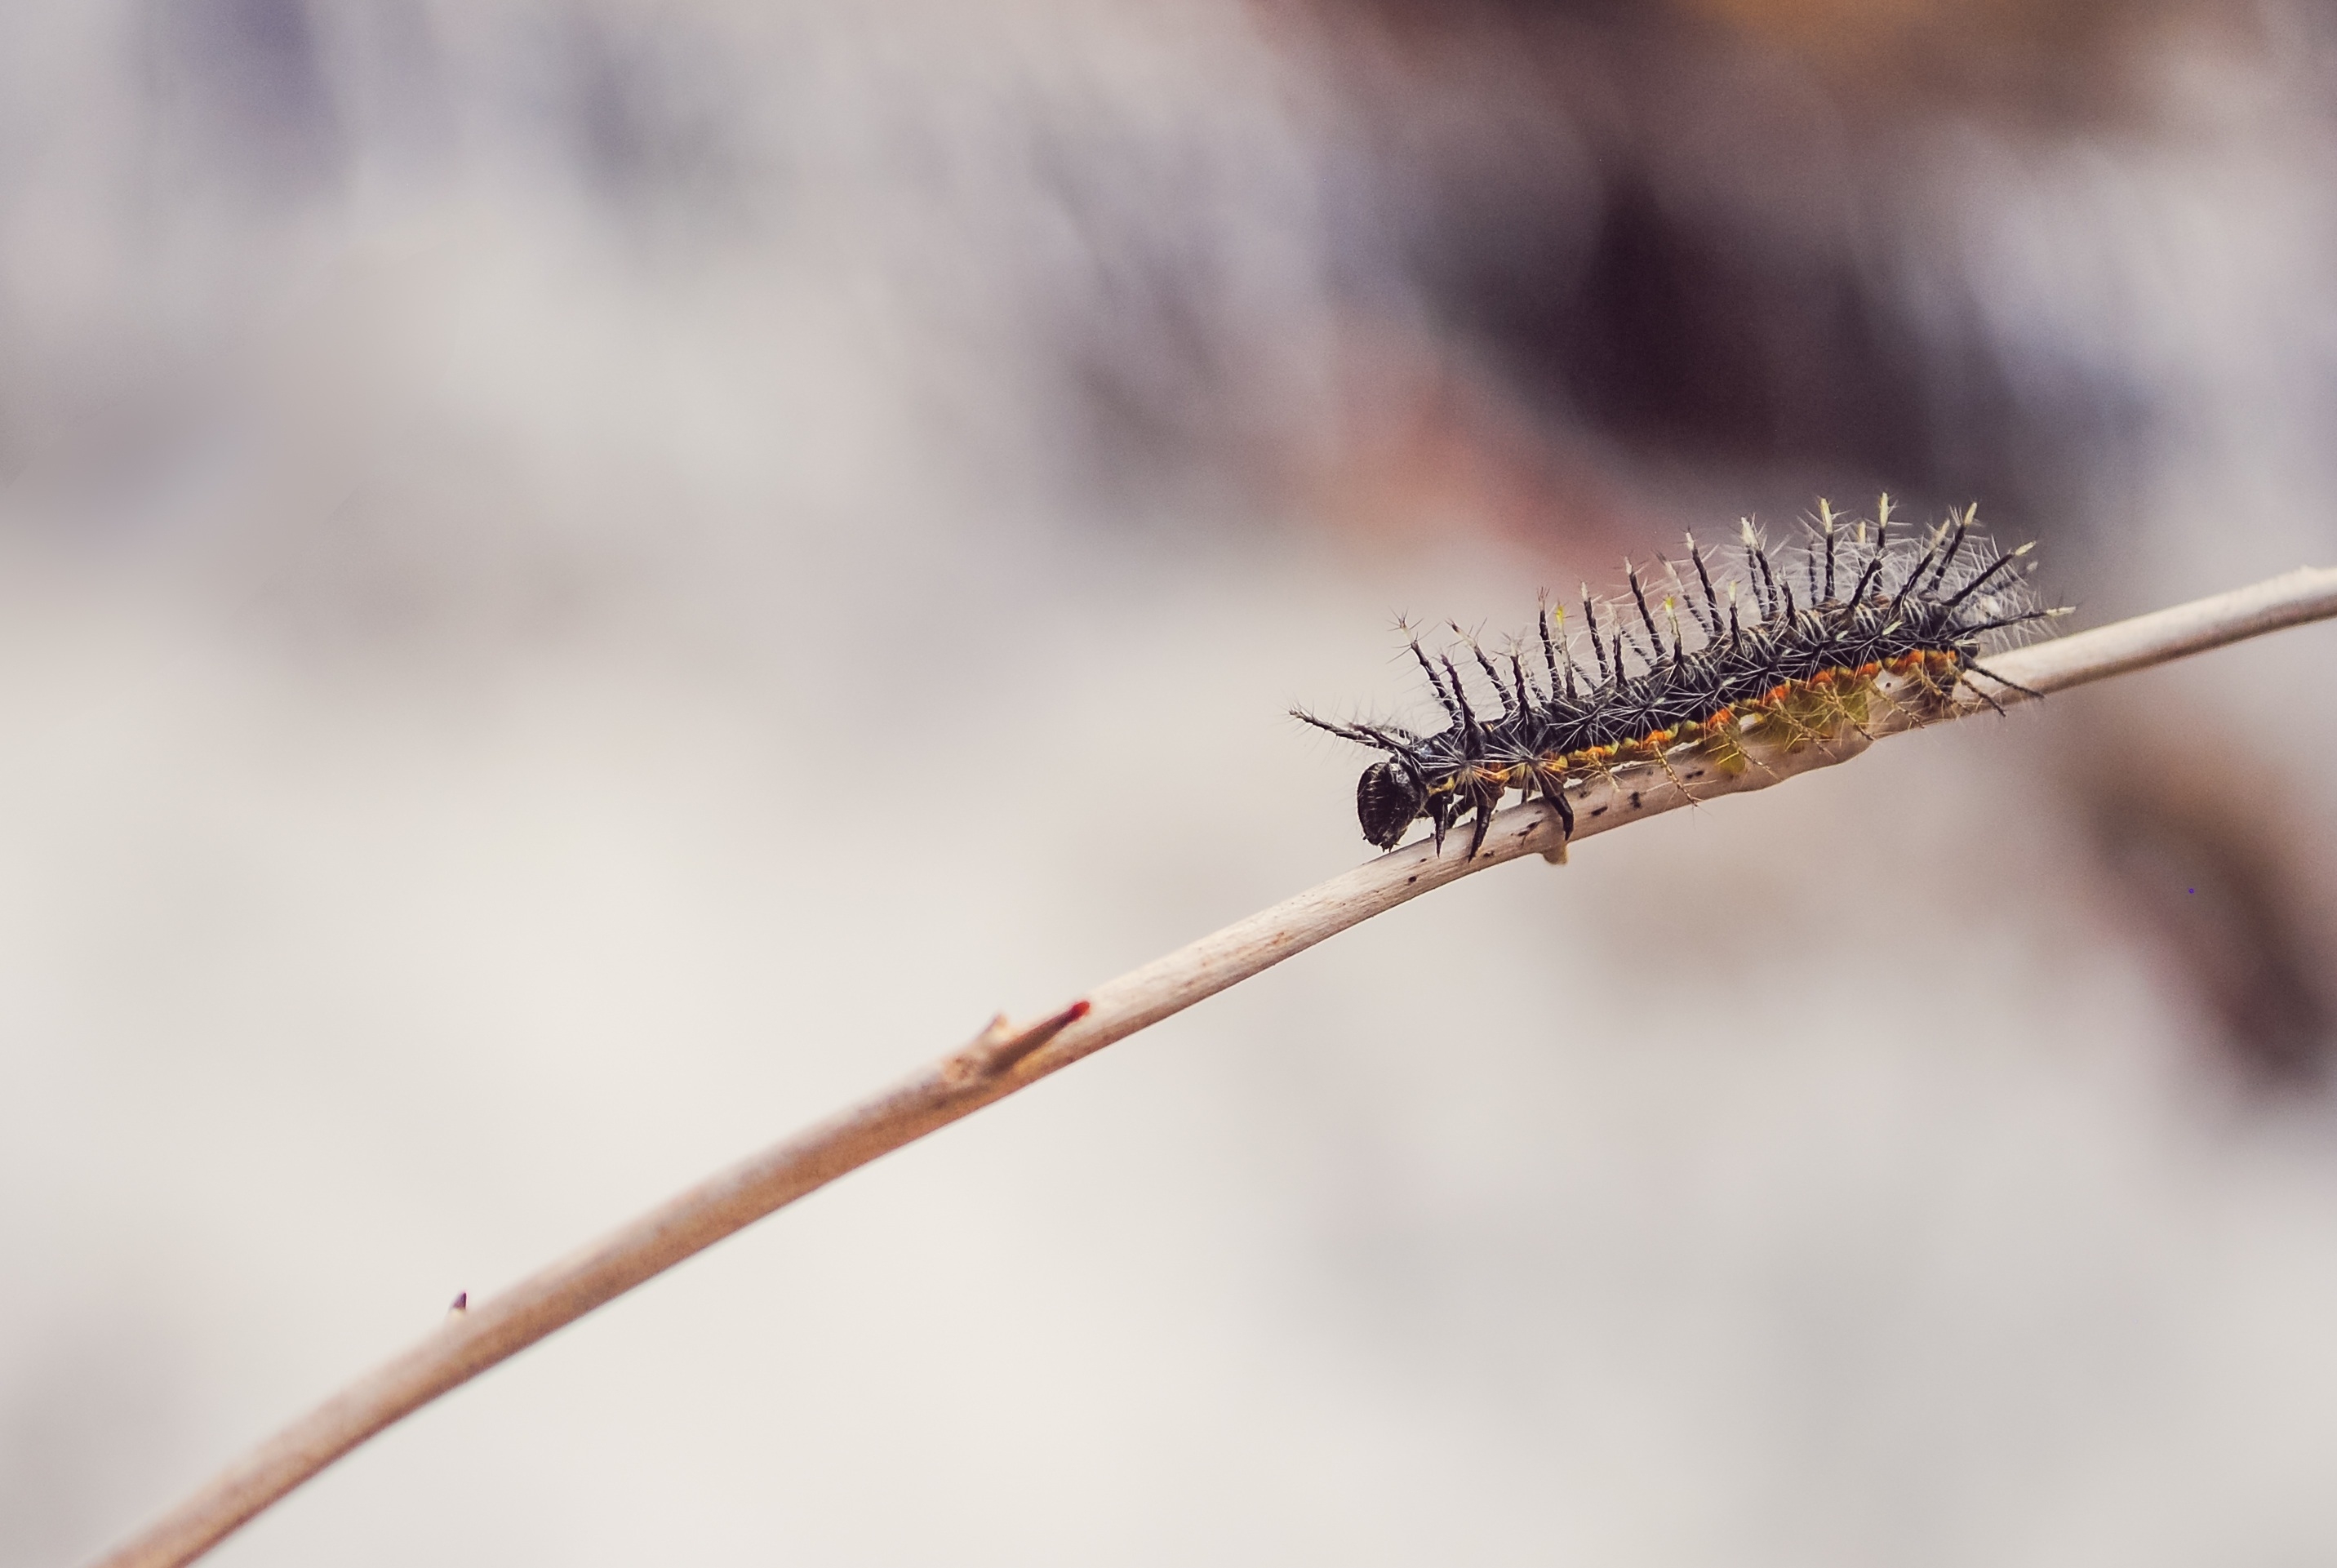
<point>1690,230</point>
<point>1673,333</point>
<point>240,91</point>
<point>2202,851</point>
<point>652,114</point>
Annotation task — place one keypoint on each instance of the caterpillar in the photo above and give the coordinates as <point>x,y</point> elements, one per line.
<point>1922,606</point>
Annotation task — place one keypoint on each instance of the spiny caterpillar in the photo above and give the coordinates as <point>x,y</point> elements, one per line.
<point>1923,607</point>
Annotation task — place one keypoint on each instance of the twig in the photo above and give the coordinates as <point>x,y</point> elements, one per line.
<point>1004,1059</point>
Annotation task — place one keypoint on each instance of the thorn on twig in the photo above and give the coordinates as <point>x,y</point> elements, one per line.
<point>999,1048</point>
<point>460,1304</point>
<point>1556,856</point>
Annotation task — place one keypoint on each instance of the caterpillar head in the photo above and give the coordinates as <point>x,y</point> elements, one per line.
<point>1387,799</point>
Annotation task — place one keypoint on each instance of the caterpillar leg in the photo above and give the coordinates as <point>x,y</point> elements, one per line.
<point>1555,793</point>
<point>1484,824</point>
<point>1481,791</point>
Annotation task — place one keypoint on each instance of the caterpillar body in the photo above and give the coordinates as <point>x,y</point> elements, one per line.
<point>1923,607</point>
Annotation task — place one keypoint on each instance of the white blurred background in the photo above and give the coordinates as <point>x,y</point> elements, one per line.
<point>582,581</point>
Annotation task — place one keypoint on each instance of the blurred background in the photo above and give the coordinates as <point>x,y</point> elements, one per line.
<point>583,580</point>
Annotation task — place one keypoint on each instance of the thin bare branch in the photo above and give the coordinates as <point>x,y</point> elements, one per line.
<point>1004,1058</point>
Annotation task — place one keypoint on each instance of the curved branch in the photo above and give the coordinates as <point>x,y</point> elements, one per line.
<point>1004,1058</point>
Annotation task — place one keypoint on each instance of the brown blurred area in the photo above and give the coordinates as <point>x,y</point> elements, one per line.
<point>580,581</point>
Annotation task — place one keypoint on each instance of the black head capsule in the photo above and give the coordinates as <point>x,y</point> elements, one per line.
<point>1388,799</point>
